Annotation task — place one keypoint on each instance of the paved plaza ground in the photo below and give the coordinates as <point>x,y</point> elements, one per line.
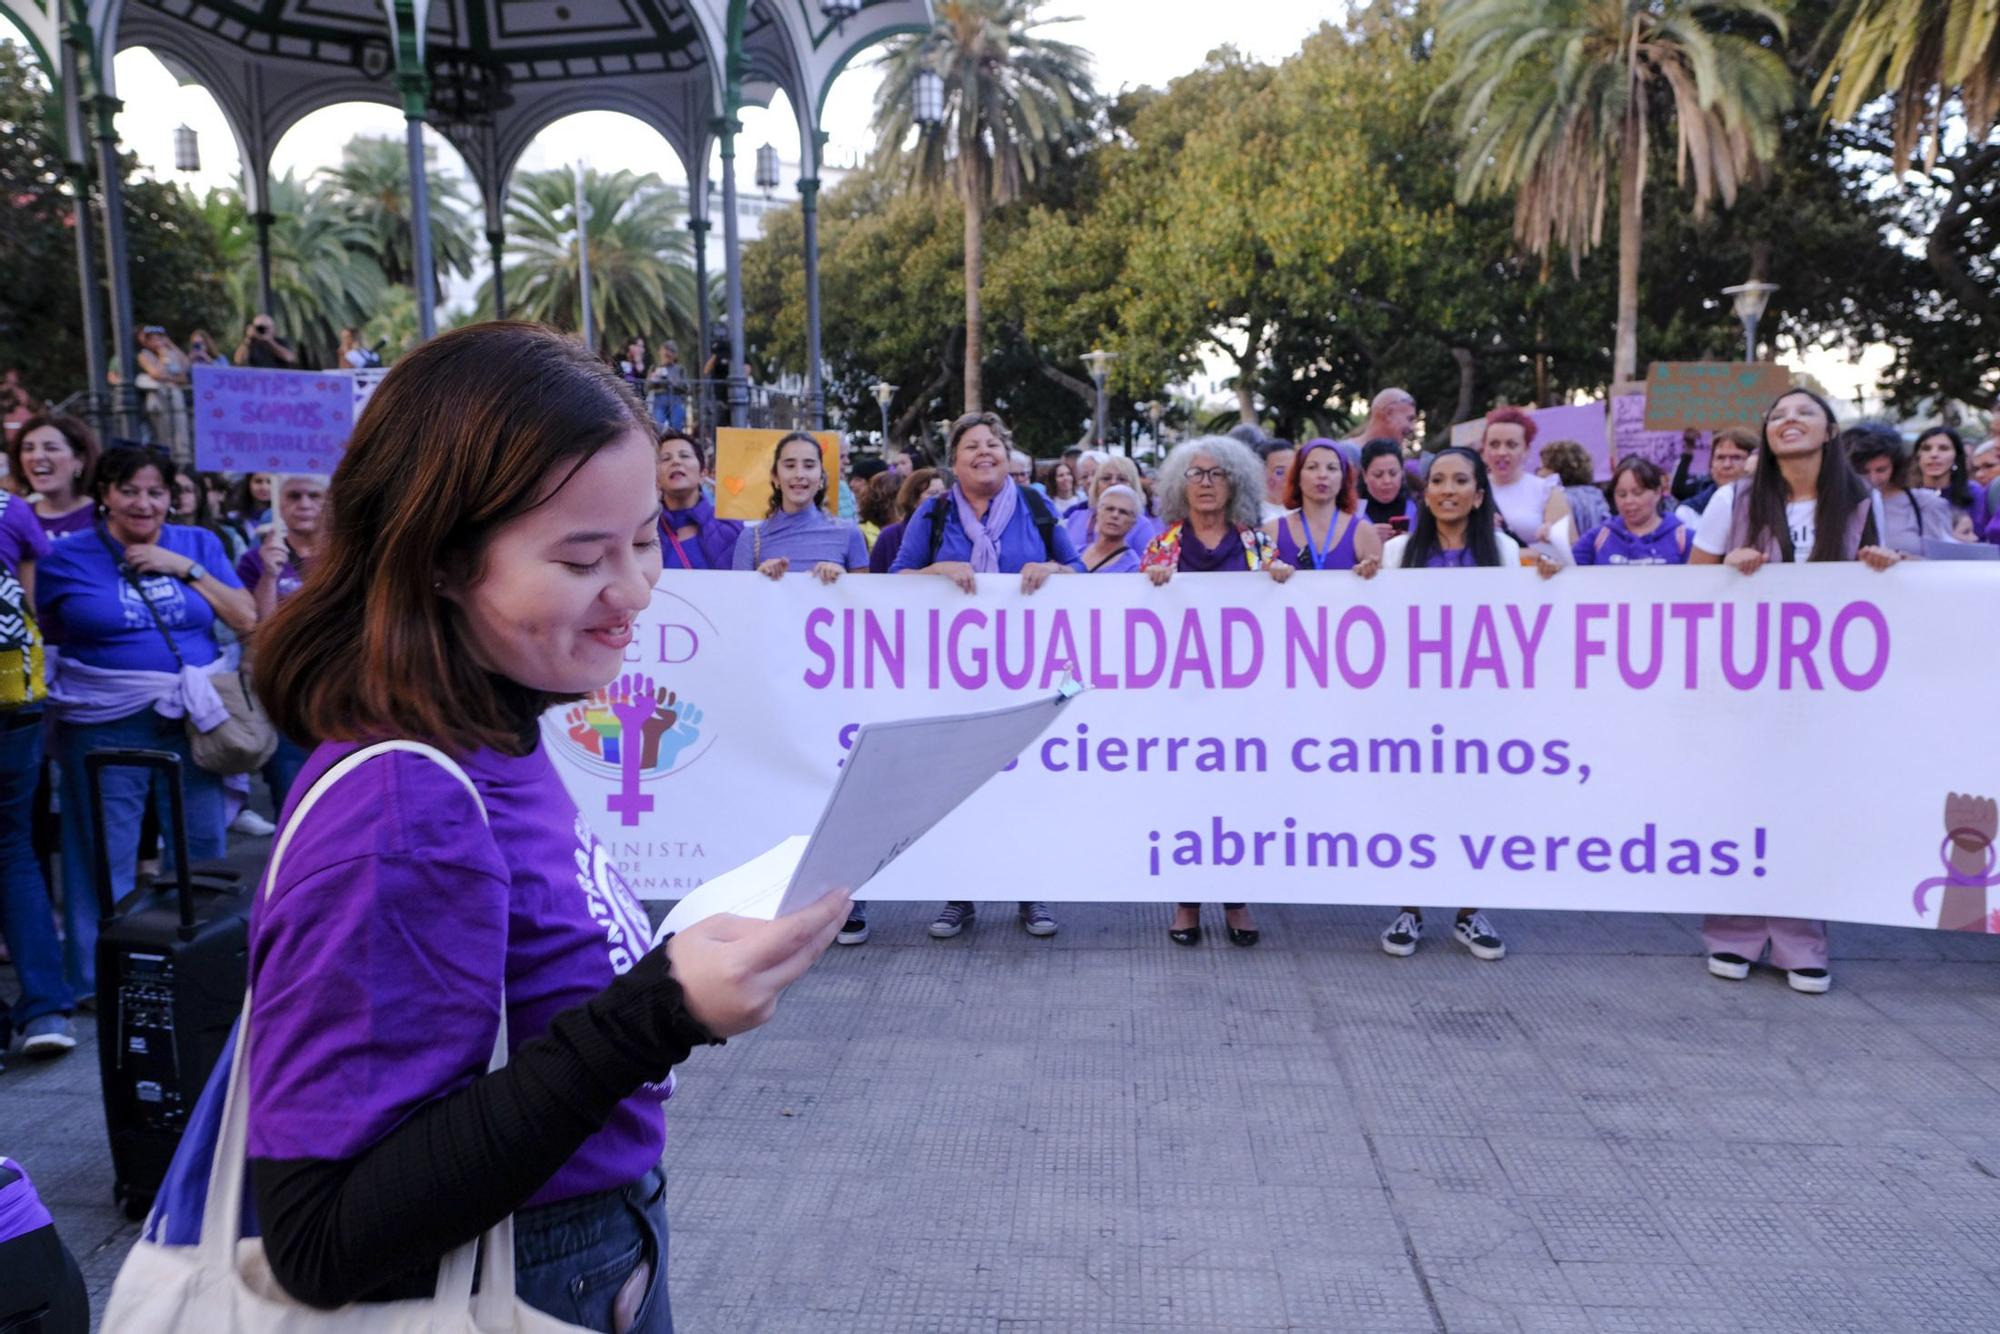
<point>1103,1131</point>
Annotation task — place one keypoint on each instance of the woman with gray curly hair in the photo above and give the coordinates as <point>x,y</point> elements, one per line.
<point>1212,500</point>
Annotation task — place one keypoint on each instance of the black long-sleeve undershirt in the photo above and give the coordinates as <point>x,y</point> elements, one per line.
<point>374,1226</point>
<point>1686,487</point>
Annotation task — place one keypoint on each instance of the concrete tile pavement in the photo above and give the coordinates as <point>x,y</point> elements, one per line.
<point>1103,1131</point>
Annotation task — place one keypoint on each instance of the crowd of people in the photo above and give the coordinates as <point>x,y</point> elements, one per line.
<point>416,618</point>
<point>147,581</point>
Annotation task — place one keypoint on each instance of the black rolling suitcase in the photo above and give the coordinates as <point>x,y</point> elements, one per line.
<point>171,968</point>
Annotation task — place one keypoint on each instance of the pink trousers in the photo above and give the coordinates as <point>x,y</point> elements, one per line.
<point>1795,942</point>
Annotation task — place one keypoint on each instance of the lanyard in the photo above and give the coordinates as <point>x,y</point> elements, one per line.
<point>679,550</point>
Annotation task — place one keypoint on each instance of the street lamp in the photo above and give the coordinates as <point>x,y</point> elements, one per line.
<point>885,393</point>
<point>187,150</point>
<point>1751,299</point>
<point>582,209</point>
<point>767,169</point>
<point>927,94</point>
<point>1099,362</point>
<point>1154,412</point>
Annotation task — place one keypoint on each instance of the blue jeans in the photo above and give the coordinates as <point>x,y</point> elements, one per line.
<point>282,769</point>
<point>27,917</point>
<point>670,410</point>
<point>571,1258</point>
<point>125,795</point>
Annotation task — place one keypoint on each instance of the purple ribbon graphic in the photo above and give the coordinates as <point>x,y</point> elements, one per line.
<point>1955,878</point>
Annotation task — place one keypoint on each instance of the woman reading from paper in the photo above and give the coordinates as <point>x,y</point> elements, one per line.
<point>1802,502</point>
<point>1455,530</point>
<point>494,535</point>
<point>1212,501</point>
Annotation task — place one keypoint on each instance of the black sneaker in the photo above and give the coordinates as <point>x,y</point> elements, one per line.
<point>1477,934</point>
<point>1402,935</point>
<point>855,932</point>
<point>1729,967</point>
<point>1036,919</point>
<point>1812,981</point>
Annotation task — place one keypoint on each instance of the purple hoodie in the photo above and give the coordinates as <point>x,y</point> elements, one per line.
<point>1612,543</point>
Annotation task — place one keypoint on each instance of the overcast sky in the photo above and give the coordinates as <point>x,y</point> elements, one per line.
<point>1134,42</point>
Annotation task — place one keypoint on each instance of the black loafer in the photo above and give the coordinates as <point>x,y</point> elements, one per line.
<point>1244,938</point>
<point>1190,935</point>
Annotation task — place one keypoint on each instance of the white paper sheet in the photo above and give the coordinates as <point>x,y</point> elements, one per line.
<point>900,779</point>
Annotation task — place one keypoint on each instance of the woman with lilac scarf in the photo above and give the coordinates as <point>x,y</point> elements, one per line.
<point>985,524</point>
<point>691,537</point>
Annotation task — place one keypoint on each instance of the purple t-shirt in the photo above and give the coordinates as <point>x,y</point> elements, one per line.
<point>250,569</point>
<point>1454,558</point>
<point>77,521</point>
<point>376,961</point>
<point>21,535</point>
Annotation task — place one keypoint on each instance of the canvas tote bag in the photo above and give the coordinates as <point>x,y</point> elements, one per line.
<point>223,1284</point>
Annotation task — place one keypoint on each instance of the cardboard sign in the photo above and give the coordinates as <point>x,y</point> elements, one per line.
<point>1582,423</point>
<point>270,421</point>
<point>743,470</point>
<point>1704,395</point>
<point>1631,439</point>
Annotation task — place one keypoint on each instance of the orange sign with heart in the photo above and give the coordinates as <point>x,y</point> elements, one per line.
<point>743,470</point>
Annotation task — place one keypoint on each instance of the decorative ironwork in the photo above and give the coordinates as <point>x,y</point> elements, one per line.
<point>465,91</point>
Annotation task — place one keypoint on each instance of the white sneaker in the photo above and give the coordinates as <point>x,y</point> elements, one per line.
<point>1812,981</point>
<point>1477,934</point>
<point>853,932</point>
<point>1403,934</point>
<point>50,1035</point>
<point>1729,967</point>
<point>249,822</point>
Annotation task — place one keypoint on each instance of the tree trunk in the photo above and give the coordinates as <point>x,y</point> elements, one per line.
<point>1631,224</point>
<point>1463,357</point>
<point>973,187</point>
<point>1246,374</point>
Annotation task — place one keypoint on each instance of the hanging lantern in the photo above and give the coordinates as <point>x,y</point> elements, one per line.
<point>187,150</point>
<point>927,91</point>
<point>767,169</point>
<point>839,11</point>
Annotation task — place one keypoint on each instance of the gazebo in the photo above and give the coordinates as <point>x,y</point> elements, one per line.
<point>487,74</point>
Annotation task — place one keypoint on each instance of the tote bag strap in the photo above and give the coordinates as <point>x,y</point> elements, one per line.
<point>222,1219</point>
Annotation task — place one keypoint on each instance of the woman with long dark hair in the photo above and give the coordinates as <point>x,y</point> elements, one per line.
<point>1457,529</point>
<point>1940,466</point>
<point>1802,502</point>
<point>458,1014</point>
<point>797,529</point>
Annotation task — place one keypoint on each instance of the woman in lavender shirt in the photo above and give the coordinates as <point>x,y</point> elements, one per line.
<point>495,531</point>
<point>798,531</point>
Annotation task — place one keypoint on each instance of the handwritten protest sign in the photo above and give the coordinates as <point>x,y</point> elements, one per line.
<point>1582,423</point>
<point>1705,395</point>
<point>1631,439</point>
<point>270,421</point>
<point>743,470</point>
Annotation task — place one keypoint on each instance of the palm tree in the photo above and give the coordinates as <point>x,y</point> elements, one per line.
<point>1013,101</point>
<point>1920,51</point>
<point>372,186</point>
<point>324,275</point>
<point>641,255</point>
<point>1559,98</point>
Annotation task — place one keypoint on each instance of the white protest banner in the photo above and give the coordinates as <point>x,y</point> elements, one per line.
<point>270,421</point>
<point>1689,740</point>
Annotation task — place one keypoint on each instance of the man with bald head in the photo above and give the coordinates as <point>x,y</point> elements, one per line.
<point>1392,415</point>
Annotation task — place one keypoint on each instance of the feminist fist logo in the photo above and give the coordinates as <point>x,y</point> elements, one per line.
<point>1972,826</point>
<point>638,727</point>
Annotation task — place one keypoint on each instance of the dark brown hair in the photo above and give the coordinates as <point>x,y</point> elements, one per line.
<point>877,502</point>
<point>1644,471</point>
<point>1570,462</point>
<point>1839,490</point>
<point>82,441</point>
<point>471,430</point>
<point>819,452</point>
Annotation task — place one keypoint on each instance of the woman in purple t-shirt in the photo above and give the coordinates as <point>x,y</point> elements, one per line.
<point>54,456</point>
<point>495,531</point>
<point>1457,528</point>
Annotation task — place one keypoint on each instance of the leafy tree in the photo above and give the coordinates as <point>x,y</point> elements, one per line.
<point>1558,100</point>
<point>1921,52</point>
<point>1014,101</point>
<point>325,274</point>
<point>371,186</point>
<point>641,255</point>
